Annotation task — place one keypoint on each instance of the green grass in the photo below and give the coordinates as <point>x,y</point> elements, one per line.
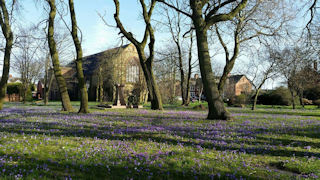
<point>38,142</point>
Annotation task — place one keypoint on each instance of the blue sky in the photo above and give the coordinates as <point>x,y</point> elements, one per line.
<point>96,35</point>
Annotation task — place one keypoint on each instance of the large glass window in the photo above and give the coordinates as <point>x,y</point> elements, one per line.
<point>132,73</point>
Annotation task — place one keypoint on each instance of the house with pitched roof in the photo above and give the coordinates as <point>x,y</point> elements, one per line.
<point>235,86</point>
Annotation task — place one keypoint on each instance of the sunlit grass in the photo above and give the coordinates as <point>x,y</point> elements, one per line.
<point>40,142</point>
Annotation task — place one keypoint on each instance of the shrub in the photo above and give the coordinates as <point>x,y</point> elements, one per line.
<point>173,100</point>
<point>312,93</point>
<point>32,87</point>
<point>29,95</point>
<point>239,101</point>
<point>14,88</point>
<point>279,96</point>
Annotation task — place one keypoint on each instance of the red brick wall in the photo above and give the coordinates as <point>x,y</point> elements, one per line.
<point>243,85</point>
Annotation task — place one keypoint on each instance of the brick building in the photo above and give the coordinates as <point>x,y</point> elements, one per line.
<point>235,85</point>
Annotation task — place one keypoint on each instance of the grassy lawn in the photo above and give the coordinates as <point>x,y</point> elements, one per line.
<point>39,142</point>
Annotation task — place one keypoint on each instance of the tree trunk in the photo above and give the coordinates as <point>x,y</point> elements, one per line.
<point>3,89</point>
<point>101,92</point>
<point>66,104</point>
<point>46,74</point>
<point>200,94</point>
<point>292,100</point>
<point>301,98</point>
<point>217,109</point>
<point>187,97</point>
<point>97,93</point>
<point>146,63</point>
<point>182,78</point>
<point>156,102</point>
<point>100,87</point>
<point>6,30</point>
<point>227,69</point>
<point>254,104</point>
<point>25,93</point>
<point>47,89</point>
<point>187,100</point>
<point>143,93</point>
<point>229,62</point>
<point>47,82</point>
<point>80,75</point>
<point>173,97</point>
<point>146,95</point>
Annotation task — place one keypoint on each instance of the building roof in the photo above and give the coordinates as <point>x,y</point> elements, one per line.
<point>235,78</point>
<point>91,62</point>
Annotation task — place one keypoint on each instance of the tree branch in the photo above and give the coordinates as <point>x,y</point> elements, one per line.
<point>175,8</point>
<point>215,9</point>
<point>210,20</point>
<point>127,34</point>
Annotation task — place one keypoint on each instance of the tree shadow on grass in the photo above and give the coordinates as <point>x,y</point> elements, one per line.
<point>35,168</point>
<point>112,114</point>
<point>289,142</point>
<point>158,134</point>
<point>310,131</point>
<point>158,131</point>
<point>285,112</point>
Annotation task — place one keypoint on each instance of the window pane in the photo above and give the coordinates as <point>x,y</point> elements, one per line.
<point>132,75</point>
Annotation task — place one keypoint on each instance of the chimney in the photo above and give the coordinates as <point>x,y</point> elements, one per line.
<point>315,65</point>
<point>196,76</point>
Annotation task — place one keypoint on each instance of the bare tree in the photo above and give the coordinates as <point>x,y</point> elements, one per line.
<point>174,24</point>
<point>80,75</point>
<point>191,66</point>
<point>168,69</point>
<point>6,31</point>
<point>305,75</point>
<point>204,15</point>
<point>312,8</point>
<point>291,62</point>
<point>64,45</point>
<point>145,62</point>
<point>166,72</point>
<point>260,20</point>
<point>66,104</point>
<point>179,28</point>
<point>262,67</point>
<point>27,60</point>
